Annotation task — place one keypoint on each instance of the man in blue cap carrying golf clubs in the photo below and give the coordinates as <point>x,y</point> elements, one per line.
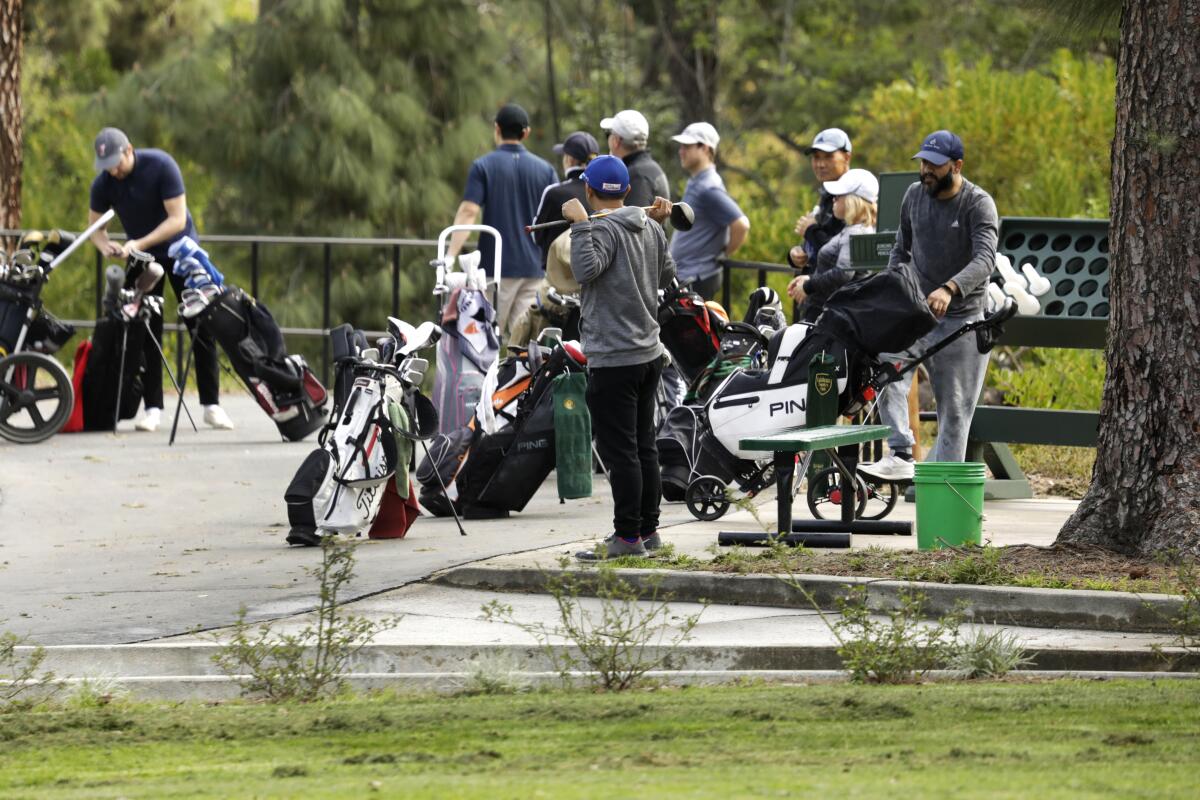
<point>620,258</point>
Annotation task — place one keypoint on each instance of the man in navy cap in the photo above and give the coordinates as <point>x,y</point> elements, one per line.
<point>948,233</point>
<point>145,188</point>
<point>576,151</point>
<point>620,259</point>
<point>506,184</point>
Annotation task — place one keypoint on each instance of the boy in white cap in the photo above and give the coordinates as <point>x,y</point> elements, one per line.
<point>720,225</point>
<point>628,133</point>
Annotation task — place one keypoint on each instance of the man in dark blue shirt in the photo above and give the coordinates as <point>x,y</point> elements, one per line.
<point>146,190</point>
<point>507,184</point>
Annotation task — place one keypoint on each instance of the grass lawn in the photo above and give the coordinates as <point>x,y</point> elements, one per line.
<point>1019,739</point>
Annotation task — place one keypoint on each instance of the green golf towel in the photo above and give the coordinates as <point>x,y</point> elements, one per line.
<point>572,436</point>
<point>404,446</point>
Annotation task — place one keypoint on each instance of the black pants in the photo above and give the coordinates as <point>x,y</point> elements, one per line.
<point>709,288</point>
<point>207,371</point>
<point>621,401</point>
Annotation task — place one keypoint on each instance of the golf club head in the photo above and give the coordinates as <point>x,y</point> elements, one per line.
<point>682,216</point>
<point>387,347</point>
<point>369,354</point>
<point>413,370</point>
<point>150,276</point>
<point>420,337</point>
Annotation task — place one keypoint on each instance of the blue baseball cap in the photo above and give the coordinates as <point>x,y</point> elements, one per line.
<point>607,175</point>
<point>940,147</point>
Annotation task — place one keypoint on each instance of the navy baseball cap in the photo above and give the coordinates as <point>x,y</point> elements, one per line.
<point>607,175</point>
<point>511,115</point>
<point>940,147</point>
<point>580,146</point>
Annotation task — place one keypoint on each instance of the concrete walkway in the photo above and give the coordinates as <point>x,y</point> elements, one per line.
<point>110,539</point>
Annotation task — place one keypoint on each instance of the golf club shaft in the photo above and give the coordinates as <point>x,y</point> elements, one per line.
<point>81,238</point>
<point>559,222</point>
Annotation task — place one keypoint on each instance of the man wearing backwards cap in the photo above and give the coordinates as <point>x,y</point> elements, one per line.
<point>720,225</point>
<point>576,150</point>
<point>628,132</point>
<point>145,188</point>
<point>506,183</point>
<point>948,233</point>
<point>830,155</point>
<point>620,260</point>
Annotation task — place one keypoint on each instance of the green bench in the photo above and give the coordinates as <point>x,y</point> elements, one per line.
<point>842,443</point>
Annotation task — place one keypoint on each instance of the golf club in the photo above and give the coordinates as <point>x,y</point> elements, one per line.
<point>682,218</point>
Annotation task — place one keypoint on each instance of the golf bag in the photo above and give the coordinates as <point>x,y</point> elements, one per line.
<point>284,386</point>
<point>705,346</point>
<point>339,487</point>
<point>357,479</point>
<point>497,462</point>
<point>464,355</point>
<point>21,281</point>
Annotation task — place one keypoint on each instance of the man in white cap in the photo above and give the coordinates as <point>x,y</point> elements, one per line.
<point>720,225</point>
<point>830,154</point>
<point>628,133</point>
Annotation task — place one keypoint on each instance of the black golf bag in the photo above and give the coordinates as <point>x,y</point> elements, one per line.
<point>103,370</point>
<point>21,283</point>
<point>284,386</point>
<point>489,474</point>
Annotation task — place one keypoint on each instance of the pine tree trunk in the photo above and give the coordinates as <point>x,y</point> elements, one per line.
<point>10,113</point>
<point>1145,491</point>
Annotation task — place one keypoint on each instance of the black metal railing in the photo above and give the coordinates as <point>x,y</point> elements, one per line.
<point>396,249</point>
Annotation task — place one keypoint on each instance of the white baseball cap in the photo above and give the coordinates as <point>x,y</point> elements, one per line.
<point>855,181</point>
<point>699,133</point>
<point>829,141</point>
<point>630,125</point>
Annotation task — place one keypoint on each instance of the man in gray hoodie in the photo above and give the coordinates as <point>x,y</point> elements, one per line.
<point>620,259</point>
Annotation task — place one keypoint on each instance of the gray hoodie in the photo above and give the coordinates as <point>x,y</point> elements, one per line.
<point>620,260</point>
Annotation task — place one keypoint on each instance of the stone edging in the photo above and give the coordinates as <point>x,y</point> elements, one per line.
<point>1079,609</point>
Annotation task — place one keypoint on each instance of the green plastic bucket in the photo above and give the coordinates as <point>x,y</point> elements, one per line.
<point>949,503</point>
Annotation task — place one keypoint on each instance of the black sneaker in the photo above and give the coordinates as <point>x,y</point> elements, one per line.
<point>613,547</point>
<point>306,537</point>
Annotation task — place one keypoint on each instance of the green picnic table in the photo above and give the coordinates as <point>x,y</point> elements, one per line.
<point>842,443</point>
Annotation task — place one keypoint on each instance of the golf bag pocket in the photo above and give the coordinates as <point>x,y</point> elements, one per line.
<point>307,496</point>
<point>12,318</point>
<point>437,471</point>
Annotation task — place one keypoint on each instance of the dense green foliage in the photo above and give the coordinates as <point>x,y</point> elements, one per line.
<point>331,117</point>
<point>1048,740</point>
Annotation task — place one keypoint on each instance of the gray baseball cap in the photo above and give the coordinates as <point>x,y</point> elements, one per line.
<point>110,143</point>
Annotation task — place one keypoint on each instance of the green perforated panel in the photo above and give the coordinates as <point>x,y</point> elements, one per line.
<point>1071,253</point>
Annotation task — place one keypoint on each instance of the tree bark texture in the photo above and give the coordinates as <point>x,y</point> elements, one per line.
<point>1145,491</point>
<point>10,113</point>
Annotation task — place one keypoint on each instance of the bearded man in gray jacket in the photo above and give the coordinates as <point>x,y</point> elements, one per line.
<point>948,233</point>
<point>620,259</point>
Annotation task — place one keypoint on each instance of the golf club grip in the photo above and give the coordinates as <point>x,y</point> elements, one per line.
<point>543,225</point>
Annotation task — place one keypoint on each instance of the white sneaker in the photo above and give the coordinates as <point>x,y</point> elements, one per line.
<point>150,420</point>
<point>889,468</point>
<point>215,416</point>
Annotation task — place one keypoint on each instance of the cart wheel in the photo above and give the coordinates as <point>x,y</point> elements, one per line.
<point>36,397</point>
<point>881,497</point>
<point>706,498</point>
<point>825,495</point>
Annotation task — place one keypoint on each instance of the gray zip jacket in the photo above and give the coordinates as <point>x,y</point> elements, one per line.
<point>620,260</point>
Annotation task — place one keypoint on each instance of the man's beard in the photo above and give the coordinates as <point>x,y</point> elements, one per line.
<point>942,184</point>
